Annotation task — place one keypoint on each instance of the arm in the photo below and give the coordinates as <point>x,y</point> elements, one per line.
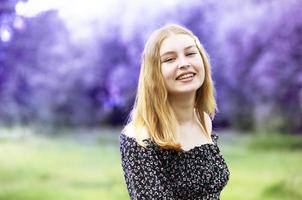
<point>143,172</point>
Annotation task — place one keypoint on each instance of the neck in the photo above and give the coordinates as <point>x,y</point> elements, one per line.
<point>183,107</point>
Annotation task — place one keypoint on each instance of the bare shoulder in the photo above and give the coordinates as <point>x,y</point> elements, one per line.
<point>129,131</point>
<point>208,122</point>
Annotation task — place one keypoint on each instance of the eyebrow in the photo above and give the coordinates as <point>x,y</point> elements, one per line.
<point>170,52</point>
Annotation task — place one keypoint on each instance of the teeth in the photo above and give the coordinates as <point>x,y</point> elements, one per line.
<point>185,76</point>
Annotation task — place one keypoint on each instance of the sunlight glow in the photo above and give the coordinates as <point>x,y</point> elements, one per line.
<point>77,14</point>
<point>83,17</point>
<point>81,9</point>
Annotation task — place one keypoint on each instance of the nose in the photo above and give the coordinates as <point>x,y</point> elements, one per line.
<point>183,63</point>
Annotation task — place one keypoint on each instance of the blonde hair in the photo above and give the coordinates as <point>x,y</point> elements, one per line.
<point>151,111</point>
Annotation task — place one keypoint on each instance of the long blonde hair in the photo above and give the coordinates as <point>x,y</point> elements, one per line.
<point>152,111</point>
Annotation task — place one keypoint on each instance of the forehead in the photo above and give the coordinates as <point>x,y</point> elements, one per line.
<point>176,42</point>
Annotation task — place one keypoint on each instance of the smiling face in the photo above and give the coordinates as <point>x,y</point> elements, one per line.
<point>181,64</point>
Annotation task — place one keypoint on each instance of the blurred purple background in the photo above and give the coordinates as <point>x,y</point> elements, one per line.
<point>76,63</point>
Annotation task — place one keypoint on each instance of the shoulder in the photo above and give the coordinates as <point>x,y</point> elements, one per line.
<point>208,122</point>
<point>131,145</point>
<point>130,131</point>
<point>128,143</point>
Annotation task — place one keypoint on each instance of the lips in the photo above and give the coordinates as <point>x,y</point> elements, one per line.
<point>185,75</point>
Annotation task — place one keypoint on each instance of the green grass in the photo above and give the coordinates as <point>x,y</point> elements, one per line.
<point>61,168</point>
<point>264,167</point>
<point>87,166</point>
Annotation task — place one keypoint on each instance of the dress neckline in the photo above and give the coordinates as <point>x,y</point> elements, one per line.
<point>191,150</point>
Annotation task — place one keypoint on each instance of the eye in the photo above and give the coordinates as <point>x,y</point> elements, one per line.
<point>168,60</point>
<point>191,53</point>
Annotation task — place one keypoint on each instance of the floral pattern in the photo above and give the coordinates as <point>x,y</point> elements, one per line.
<point>155,173</point>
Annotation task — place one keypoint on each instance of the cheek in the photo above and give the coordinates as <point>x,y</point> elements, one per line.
<point>167,72</point>
<point>202,72</point>
<point>200,67</point>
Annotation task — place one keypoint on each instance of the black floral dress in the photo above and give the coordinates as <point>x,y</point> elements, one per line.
<point>155,173</point>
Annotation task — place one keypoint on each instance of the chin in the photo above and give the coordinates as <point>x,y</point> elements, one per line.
<point>184,91</point>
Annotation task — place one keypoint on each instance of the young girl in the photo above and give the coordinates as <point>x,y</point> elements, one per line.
<point>167,148</point>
